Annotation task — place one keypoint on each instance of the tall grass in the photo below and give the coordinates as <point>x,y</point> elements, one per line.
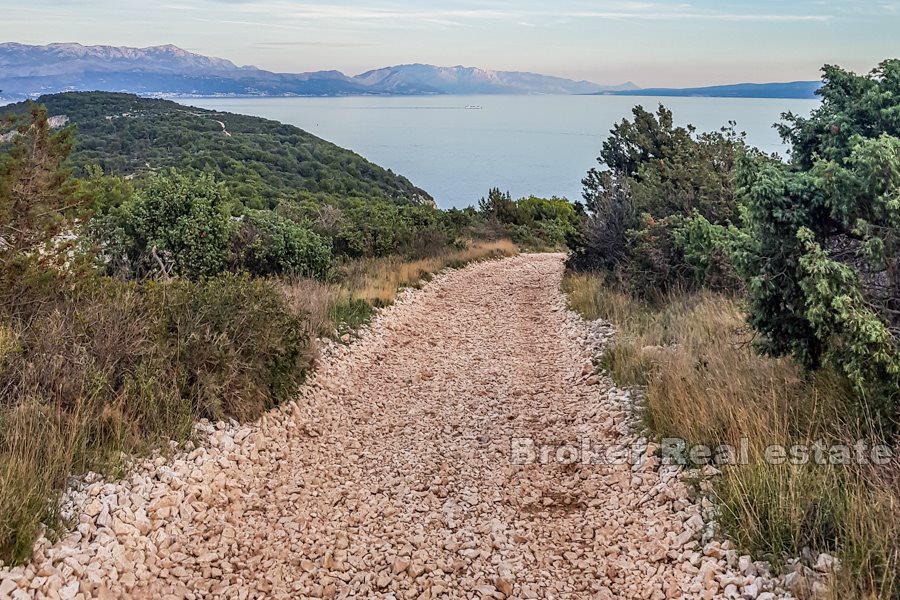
<point>705,384</point>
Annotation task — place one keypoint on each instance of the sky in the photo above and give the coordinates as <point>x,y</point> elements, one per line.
<point>651,43</point>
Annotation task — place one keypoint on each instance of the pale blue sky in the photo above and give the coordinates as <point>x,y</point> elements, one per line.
<point>653,42</point>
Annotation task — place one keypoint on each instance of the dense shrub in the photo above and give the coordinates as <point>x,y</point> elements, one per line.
<point>268,244</point>
<point>532,222</point>
<point>656,262</point>
<point>370,230</point>
<point>679,254</point>
<point>602,240</point>
<point>92,367</point>
<point>238,347</point>
<point>230,343</point>
<point>376,228</point>
<point>173,225</point>
<point>822,257</point>
<point>708,252</point>
<point>499,206</point>
<point>670,170</point>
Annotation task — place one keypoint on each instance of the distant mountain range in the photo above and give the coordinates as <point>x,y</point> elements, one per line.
<point>168,70</point>
<point>29,71</point>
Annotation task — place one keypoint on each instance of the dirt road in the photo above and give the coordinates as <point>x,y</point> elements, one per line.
<point>393,475</point>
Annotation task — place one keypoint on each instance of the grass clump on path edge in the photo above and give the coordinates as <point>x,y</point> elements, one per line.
<point>704,384</point>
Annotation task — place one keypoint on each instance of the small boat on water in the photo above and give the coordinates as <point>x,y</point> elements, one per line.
<point>472,107</point>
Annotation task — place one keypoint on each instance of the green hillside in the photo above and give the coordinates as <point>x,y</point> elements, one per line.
<point>260,160</point>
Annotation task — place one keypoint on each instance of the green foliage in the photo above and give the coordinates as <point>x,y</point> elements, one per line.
<point>370,230</point>
<point>661,206</point>
<point>679,253</point>
<point>547,222</point>
<point>670,170</point>
<point>532,222</point>
<point>656,265</point>
<point>267,244</point>
<point>708,250</point>
<point>860,342</point>
<point>177,224</point>
<point>821,257</point>
<point>863,106</point>
<point>102,193</point>
<point>376,228</point>
<point>499,206</point>
<point>91,367</point>
<point>261,162</point>
<point>602,242</point>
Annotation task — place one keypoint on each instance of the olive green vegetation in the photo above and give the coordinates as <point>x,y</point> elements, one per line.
<point>828,292</point>
<point>660,207</point>
<point>533,223</point>
<point>179,225</point>
<point>175,224</point>
<point>759,298</point>
<point>260,161</point>
<point>93,367</point>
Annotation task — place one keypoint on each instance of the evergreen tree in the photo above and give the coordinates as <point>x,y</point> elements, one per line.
<point>499,206</point>
<point>36,189</point>
<point>824,234</point>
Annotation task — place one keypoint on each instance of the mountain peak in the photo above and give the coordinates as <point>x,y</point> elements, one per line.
<point>461,79</point>
<point>63,58</point>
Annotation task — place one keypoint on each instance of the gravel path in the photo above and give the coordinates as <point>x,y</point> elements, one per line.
<point>391,476</point>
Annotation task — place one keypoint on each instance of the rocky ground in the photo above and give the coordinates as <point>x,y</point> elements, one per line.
<point>392,476</point>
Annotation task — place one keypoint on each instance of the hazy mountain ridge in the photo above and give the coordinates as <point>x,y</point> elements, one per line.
<point>33,70</point>
<point>57,59</point>
<point>30,71</point>
<point>472,80</point>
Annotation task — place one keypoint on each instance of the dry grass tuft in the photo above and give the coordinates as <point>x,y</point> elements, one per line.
<point>705,384</point>
<point>313,300</point>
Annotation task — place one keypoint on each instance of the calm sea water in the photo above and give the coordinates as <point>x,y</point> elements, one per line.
<point>540,145</point>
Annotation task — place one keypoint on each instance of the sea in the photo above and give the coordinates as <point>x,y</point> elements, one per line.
<point>458,147</point>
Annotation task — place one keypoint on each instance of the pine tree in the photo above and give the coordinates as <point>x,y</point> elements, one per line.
<point>36,189</point>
